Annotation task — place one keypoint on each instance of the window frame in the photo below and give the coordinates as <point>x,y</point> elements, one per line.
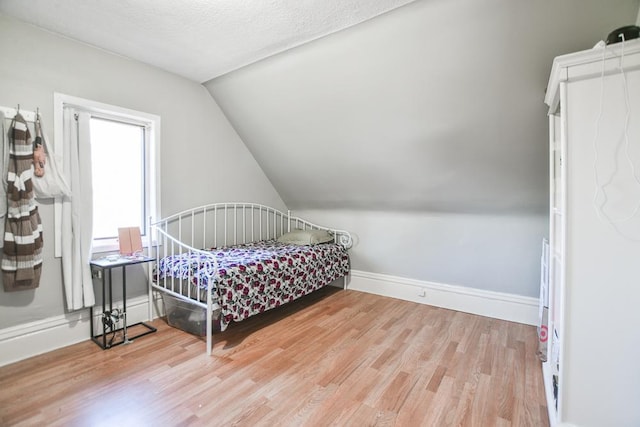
<point>151,125</point>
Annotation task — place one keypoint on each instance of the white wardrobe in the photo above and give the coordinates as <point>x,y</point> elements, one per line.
<point>592,373</point>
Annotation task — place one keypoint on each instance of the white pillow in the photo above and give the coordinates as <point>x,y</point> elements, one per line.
<point>306,237</point>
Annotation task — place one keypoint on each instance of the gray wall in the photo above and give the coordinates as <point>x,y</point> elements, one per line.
<point>202,158</point>
<point>309,103</point>
<point>494,252</point>
<point>422,131</point>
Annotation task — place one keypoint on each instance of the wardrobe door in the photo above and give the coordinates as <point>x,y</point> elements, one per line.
<point>601,342</point>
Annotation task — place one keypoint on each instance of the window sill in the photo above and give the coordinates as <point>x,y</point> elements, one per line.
<point>99,248</point>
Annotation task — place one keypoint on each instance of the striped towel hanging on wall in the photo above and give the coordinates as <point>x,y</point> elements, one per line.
<point>22,252</point>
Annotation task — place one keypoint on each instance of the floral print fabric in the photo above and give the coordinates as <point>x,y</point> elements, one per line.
<point>256,277</point>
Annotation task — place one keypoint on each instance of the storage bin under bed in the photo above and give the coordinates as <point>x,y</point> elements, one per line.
<point>188,317</point>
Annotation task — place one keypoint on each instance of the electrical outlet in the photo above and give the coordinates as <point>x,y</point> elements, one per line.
<point>96,274</point>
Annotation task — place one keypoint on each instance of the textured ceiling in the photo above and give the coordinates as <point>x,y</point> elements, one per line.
<point>197,39</point>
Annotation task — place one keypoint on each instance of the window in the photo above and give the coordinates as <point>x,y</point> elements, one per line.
<point>124,167</point>
<point>117,168</point>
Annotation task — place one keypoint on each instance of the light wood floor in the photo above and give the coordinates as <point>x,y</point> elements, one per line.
<point>337,357</point>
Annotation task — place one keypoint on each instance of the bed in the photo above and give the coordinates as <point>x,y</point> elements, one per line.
<point>237,260</point>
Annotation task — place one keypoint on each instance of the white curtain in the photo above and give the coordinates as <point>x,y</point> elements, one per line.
<point>77,212</point>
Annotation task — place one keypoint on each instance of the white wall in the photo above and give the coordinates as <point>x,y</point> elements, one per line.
<point>202,157</point>
<point>492,252</point>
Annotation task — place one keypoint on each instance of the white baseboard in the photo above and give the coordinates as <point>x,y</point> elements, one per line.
<point>498,305</point>
<point>27,340</point>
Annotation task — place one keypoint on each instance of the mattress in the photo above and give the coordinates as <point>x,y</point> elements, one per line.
<point>251,278</point>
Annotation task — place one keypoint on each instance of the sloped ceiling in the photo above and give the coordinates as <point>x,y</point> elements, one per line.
<point>436,105</point>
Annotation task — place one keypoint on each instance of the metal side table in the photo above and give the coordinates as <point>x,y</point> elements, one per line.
<point>110,317</point>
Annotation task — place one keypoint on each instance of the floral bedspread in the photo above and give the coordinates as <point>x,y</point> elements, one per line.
<point>255,277</point>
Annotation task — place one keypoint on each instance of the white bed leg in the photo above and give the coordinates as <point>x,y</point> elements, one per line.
<point>209,319</point>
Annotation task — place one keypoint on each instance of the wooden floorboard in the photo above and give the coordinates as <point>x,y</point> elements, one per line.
<point>340,358</point>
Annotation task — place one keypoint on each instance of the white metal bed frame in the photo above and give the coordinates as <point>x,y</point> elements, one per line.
<point>216,225</point>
